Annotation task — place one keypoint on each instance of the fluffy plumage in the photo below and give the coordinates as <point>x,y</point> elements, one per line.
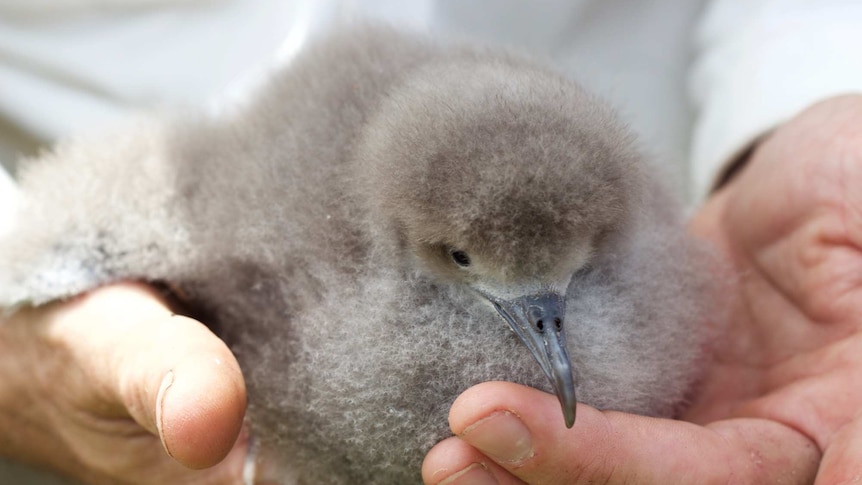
<point>314,230</point>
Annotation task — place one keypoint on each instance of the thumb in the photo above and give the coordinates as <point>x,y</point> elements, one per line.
<point>516,431</point>
<point>169,373</point>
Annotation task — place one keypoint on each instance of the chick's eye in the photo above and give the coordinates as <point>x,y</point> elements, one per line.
<point>460,258</point>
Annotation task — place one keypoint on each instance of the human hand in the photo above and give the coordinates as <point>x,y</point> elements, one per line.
<point>781,404</point>
<point>112,388</point>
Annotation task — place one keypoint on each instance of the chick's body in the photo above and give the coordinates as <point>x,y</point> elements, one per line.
<point>313,229</point>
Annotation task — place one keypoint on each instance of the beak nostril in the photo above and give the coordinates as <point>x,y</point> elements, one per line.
<point>558,323</point>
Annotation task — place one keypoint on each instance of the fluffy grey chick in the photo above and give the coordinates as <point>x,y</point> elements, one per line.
<point>357,232</point>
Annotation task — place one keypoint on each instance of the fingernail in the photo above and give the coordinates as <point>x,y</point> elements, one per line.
<point>475,474</point>
<point>502,436</point>
<point>167,381</point>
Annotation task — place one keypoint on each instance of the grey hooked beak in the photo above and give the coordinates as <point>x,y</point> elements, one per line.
<point>538,321</point>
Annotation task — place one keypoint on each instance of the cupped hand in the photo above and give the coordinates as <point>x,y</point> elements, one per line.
<point>111,387</point>
<point>782,402</point>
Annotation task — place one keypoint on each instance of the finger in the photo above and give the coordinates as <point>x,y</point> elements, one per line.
<point>169,373</point>
<point>454,462</point>
<point>521,429</point>
<point>841,462</point>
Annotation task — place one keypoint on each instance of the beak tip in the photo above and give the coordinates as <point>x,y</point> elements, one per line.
<point>569,405</point>
<point>569,415</point>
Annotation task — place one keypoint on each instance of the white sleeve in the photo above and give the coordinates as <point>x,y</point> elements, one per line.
<point>760,62</point>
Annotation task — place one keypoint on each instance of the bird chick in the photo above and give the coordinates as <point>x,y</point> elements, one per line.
<point>388,223</point>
